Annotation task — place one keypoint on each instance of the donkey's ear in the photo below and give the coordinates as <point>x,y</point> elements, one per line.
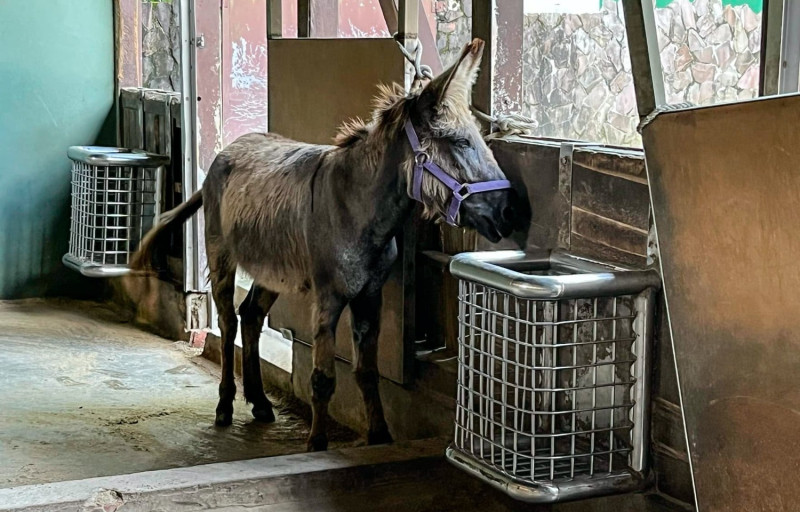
<point>455,84</point>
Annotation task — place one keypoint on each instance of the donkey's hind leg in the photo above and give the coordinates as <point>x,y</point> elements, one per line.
<point>253,310</point>
<point>366,311</point>
<point>223,280</point>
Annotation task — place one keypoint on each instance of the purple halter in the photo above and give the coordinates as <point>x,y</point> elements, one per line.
<point>460,191</point>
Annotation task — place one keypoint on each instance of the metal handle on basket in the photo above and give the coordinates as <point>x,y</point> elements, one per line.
<point>118,157</point>
<point>503,270</point>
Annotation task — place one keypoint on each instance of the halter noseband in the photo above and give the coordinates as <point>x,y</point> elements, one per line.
<point>460,191</point>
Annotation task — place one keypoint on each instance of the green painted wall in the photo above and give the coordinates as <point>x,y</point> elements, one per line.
<point>56,90</point>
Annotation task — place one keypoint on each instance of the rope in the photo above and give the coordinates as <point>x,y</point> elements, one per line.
<point>421,71</point>
<point>500,125</point>
<point>507,124</point>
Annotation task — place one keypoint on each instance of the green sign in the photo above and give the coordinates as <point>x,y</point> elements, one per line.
<point>755,5</point>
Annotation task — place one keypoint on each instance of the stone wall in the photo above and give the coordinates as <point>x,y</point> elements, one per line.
<point>710,53</point>
<point>577,80</point>
<point>453,27</point>
<point>161,45</point>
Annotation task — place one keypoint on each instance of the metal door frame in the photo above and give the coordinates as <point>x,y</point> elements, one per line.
<point>198,294</point>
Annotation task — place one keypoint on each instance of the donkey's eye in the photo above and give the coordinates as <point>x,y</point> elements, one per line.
<point>462,143</point>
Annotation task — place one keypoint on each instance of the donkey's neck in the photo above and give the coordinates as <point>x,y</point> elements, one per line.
<point>375,167</point>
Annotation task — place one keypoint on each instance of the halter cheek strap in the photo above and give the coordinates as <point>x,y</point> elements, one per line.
<point>460,191</point>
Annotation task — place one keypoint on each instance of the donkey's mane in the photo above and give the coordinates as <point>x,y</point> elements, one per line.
<point>387,115</point>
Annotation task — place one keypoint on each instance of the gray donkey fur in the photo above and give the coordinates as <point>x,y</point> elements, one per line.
<point>322,220</point>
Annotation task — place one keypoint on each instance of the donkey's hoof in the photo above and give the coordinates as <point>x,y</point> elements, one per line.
<point>318,443</point>
<point>380,436</point>
<point>264,415</point>
<point>224,419</point>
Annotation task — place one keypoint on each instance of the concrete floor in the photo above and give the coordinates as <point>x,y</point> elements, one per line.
<point>82,395</point>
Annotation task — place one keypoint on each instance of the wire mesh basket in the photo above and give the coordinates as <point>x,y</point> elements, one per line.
<point>116,199</point>
<point>552,396</point>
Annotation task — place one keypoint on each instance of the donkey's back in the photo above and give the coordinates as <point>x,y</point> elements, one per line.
<point>258,197</point>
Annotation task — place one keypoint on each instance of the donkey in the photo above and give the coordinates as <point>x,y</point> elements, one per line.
<point>322,220</point>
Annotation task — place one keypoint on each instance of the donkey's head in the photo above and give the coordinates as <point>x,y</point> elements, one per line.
<point>449,138</point>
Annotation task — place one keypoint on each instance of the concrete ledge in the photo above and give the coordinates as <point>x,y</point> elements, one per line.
<point>263,482</point>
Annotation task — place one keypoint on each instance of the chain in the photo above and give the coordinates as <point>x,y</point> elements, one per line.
<point>500,124</point>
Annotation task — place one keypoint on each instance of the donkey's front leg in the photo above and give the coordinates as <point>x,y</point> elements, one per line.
<point>366,312</point>
<point>323,377</point>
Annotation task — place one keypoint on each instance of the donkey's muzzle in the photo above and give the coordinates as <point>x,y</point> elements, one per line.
<point>493,214</point>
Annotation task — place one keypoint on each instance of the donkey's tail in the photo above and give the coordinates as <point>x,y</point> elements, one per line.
<point>143,259</point>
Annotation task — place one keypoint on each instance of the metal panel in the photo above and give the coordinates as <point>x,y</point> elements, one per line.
<point>208,58</point>
<point>610,205</point>
<point>338,79</point>
<point>771,35</point>
<point>533,168</point>
<point>317,84</point>
<point>790,48</point>
<point>203,110</point>
<point>725,187</point>
<point>244,69</point>
<point>591,199</point>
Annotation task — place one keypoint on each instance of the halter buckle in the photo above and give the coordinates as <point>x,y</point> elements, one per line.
<point>421,157</point>
<point>462,192</point>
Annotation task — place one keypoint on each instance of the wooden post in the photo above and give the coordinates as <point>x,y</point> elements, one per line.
<point>127,52</point>
<point>483,17</point>
<point>128,43</point>
<point>507,95</point>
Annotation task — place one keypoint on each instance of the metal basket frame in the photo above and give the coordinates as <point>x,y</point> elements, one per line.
<point>539,414</point>
<point>116,199</point>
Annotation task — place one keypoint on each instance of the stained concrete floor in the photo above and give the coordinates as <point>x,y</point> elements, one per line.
<point>82,395</point>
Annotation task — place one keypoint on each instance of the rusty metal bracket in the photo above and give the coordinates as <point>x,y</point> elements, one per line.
<point>197,311</point>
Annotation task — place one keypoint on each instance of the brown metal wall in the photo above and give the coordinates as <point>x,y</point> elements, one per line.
<point>725,190</point>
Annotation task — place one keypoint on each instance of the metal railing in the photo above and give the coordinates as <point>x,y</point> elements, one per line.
<point>116,199</point>
<point>552,397</point>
